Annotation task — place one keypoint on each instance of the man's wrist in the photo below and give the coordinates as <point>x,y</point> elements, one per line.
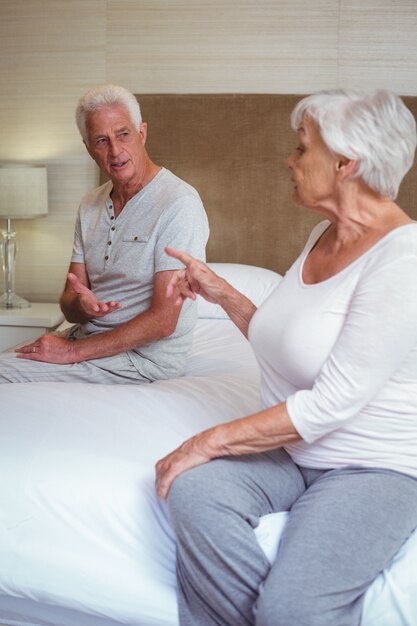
<point>73,350</point>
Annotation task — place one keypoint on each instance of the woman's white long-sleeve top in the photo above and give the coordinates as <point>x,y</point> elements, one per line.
<point>343,354</point>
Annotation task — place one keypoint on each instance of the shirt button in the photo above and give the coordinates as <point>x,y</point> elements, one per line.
<point>113,227</point>
<point>106,258</point>
<point>112,217</point>
<point>109,243</point>
<point>135,238</point>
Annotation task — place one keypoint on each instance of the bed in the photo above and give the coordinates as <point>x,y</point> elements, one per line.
<point>84,541</point>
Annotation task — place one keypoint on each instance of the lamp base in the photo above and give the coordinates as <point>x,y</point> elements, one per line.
<point>13,301</point>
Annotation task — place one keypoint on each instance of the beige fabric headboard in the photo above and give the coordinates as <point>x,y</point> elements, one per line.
<point>232,148</point>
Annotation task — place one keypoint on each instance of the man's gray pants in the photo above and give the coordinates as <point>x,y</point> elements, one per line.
<point>118,369</point>
<point>344,527</point>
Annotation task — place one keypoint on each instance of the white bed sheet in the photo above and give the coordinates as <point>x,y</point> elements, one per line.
<point>84,541</point>
<point>81,526</point>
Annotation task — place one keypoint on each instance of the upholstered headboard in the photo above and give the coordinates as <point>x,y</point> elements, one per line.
<point>232,148</point>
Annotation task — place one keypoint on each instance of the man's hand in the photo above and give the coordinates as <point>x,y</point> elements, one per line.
<point>50,349</point>
<point>87,301</point>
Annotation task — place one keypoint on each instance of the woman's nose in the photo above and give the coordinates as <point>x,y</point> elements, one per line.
<point>288,161</point>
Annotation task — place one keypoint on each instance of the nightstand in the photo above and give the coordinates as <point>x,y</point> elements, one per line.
<point>19,326</point>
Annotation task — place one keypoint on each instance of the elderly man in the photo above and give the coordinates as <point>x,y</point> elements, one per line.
<point>126,330</point>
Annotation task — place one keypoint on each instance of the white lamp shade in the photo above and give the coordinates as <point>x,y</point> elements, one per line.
<point>23,192</point>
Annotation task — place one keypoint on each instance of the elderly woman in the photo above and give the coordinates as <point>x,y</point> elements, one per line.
<point>336,441</point>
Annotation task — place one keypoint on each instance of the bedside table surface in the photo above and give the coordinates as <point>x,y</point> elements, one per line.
<point>42,314</point>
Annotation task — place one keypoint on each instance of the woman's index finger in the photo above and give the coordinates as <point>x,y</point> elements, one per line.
<point>178,254</point>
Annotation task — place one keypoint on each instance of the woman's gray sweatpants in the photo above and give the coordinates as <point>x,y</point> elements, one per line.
<point>345,526</point>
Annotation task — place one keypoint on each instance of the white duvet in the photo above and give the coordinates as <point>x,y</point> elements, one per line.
<point>84,541</point>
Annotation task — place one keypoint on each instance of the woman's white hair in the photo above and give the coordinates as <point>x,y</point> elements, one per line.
<point>377,130</point>
<point>104,96</point>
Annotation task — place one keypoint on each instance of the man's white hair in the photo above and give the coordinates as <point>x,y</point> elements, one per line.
<point>377,130</point>
<point>103,96</point>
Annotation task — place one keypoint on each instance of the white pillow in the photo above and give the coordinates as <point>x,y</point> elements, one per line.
<point>256,283</point>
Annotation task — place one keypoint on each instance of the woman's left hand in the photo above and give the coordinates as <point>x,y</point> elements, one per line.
<point>191,453</point>
<point>265,430</point>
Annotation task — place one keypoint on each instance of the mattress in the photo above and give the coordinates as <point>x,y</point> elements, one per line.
<point>84,540</point>
<point>81,526</point>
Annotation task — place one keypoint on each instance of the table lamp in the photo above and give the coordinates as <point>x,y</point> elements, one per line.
<point>23,195</point>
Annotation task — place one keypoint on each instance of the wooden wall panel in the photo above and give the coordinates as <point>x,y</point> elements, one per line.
<point>195,46</point>
<point>378,45</point>
<point>52,51</point>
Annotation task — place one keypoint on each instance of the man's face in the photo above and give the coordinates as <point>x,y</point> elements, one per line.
<point>116,145</point>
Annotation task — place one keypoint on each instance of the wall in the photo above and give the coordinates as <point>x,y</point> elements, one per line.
<point>52,51</point>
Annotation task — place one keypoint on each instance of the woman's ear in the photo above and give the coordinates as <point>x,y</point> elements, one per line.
<point>345,167</point>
